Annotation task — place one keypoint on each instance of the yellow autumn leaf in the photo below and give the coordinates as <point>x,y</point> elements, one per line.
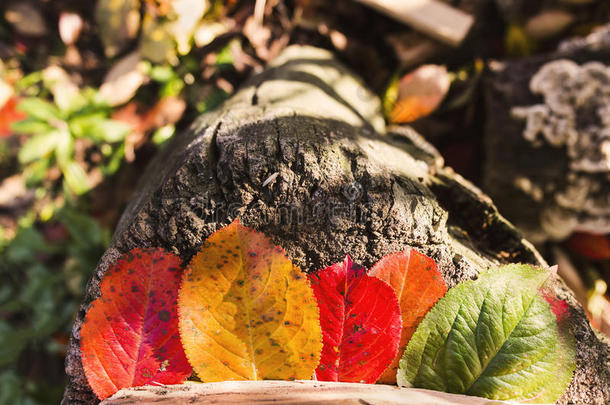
<point>246,312</point>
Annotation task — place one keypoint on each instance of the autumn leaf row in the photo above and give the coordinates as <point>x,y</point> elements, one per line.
<point>241,310</point>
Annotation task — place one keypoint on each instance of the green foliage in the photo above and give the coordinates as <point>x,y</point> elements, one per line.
<point>54,128</point>
<point>43,277</point>
<point>495,337</point>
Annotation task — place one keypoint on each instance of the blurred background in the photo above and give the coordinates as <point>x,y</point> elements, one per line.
<point>91,90</point>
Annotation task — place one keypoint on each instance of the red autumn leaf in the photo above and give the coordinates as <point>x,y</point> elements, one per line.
<point>360,320</point>
<point>418,285</point>
<point>8,115</point>
<point>130,334</point>
<point>559,307</point>
<point>596,247</point>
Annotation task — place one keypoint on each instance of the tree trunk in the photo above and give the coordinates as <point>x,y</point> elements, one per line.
<point>301,154</point>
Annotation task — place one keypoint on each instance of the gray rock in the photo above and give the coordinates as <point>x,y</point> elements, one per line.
<point>301,154</point>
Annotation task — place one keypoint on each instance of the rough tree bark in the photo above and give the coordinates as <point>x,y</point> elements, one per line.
<point>301,154</point>
<point>547,142</point>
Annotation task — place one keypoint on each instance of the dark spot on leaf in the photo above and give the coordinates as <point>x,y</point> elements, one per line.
<point>164,315</point>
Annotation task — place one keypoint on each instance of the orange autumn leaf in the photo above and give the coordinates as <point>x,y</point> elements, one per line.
<point>418,284</point>
<point>8,115</point>
<point>420,93</point>
<point>246,312</point>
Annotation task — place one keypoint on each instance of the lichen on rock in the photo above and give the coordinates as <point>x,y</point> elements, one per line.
<point>575,116</point>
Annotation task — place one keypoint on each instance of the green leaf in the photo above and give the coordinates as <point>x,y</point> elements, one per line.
<point>11,387</point>
<point>111,131</point>
<point>28,81</point>
<point>114,162</point>
<point>30,126</point>
<point>39,109</point>
<point>13,342</point>
<point>163,134</point>
<point>38,146</point>
<point>64,147</point>
<point>81,125</point>
<point>75,177</point>
<point>495,337</point>
<point>25,245</point>
<point>162,73</point>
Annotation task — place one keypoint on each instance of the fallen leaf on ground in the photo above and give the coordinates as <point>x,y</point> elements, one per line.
<point>188,14</point>
<point>548,23</point>
<point>420,93</point>
<point>157,44</point>
<point>123,80</point>
<point>118,23</point>
<point>70,26</point>
<point>26,19</point>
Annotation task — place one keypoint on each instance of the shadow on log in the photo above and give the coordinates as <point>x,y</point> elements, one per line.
<point>301,154</point>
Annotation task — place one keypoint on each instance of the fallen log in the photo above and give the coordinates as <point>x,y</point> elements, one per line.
<point>301,153</point>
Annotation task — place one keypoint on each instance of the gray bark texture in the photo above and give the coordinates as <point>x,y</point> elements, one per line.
<point>547,139</point>
<point>301,154</point>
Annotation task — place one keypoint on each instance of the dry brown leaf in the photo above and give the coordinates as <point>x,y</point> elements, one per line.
<point>188,14</point>
<point>6,92</point>
<point>207,32</point>
<point>123,80</point>
<point>70,26</point>
<point>26,19</point>
<point>12,191</point>
<point>259,36</point>
<point>157,44</point>
<point>548,23</point>
<point>118,22</point>
<point>167,111</point>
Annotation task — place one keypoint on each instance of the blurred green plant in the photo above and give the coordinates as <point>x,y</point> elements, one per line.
<point>43,268</point>
<point>55,126</point>
<point>152,74</point>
